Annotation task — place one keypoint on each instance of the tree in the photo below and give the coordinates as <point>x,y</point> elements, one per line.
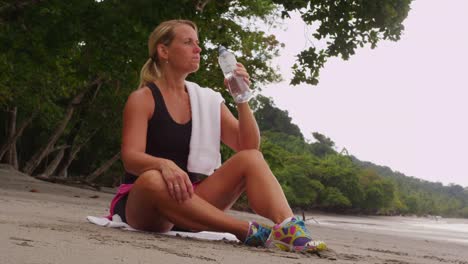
<point>343,26</point>
<point>303,190</point>
<point>290,143</point>
<point>339,172</point>
<point>275,155</point>
<point>332,198</point>
<point>379,192</point>
<point>271,118</point>
<point>323,146</point>
<point>53,51</point>
<point>410,195</point>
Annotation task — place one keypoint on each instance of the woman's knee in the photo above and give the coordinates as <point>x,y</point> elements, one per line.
<point>151,179</point>
<point>250,156</point>
<point>246,159</point>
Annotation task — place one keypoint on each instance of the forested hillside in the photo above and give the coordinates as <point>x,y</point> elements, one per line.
<point>314,175</point>
<point>424,197</point>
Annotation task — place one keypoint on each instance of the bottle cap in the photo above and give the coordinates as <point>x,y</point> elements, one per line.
<point>221,49</point>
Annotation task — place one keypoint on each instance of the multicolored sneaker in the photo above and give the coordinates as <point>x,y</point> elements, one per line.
<point>257,234</point>
<point>293,235</point>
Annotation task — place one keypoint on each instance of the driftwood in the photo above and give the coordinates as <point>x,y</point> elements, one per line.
<point>304,218</point>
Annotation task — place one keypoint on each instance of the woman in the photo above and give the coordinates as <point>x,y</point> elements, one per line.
<point>161,122</point>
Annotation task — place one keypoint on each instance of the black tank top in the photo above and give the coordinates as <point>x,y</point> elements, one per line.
<point>165,138</point>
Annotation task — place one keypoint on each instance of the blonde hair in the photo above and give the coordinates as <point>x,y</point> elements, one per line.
<point>162,34</point>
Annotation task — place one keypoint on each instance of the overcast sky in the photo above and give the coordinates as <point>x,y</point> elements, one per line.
<point>403,104</point>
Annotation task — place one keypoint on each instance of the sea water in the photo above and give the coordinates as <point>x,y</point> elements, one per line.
<point>441,229</point>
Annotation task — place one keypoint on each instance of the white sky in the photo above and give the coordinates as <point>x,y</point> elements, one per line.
<point>402,105</point>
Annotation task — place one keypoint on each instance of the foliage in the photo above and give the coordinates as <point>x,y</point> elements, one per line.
<point>327,180</point>
<point>53,50</point>
<point>323,145</point>
<point>274,119</point>
<point>302,190</point>
<point>416,196</point>
<point>332,198</point>
<point>342,27</point>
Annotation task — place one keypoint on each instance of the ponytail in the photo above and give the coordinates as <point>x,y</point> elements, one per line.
<point>149,72</point>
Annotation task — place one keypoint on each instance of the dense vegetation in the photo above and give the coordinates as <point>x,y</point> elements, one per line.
<point>315,176</point>
<point>67,67</point>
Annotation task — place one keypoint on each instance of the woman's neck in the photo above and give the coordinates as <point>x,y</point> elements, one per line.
<point>172,84</point>
<point>172,81</point>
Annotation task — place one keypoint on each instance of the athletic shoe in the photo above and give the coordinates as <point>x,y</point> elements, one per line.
<point>257,234</point>
<point>292,235</point>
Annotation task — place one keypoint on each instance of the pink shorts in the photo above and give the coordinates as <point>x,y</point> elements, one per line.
<point>123,190</point>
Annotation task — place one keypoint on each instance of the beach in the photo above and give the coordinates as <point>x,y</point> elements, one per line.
<point>42,222</point>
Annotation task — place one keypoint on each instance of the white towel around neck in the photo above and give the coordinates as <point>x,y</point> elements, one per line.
<point>204,155</point>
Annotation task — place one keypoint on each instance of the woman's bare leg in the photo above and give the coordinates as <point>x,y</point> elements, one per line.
<point>246,171</point>
<point>150,207</point>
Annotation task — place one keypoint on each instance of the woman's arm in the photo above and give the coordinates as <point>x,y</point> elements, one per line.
<point>239,134</point>
<point>138,110</point>
<point>249,134</point>
<point>243,133</point>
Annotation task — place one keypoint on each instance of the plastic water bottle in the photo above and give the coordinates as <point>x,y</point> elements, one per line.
<point>237,86</point>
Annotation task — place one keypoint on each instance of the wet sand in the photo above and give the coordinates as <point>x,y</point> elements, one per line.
<point>42,222</point>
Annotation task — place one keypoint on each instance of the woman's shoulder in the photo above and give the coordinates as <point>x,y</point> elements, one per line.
<point>141,92</point>
<point>141,98</point>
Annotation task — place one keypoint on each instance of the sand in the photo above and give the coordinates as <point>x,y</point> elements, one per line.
<point>42,222</point>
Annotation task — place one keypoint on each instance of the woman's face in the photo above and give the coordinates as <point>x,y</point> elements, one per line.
<point>183,54</point>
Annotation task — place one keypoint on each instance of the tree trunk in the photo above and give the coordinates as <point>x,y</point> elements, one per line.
<point>103,168</point>
<point>53,165</point>
<point>72,137</point>
<point>11,155</point>
<point>10,130</point>
<point>12,139</point>
<point>67,158</point>
<point>36,159</point>
<point>62,170</point>
<point>14,157</point>
<point>66,162</point>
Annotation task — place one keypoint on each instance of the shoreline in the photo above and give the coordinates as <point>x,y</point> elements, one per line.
<point>48,225</point>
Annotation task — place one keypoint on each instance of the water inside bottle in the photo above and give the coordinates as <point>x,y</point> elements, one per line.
<point>238,88</point>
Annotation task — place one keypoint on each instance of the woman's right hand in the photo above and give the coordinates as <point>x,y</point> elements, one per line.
<point>177,181</point>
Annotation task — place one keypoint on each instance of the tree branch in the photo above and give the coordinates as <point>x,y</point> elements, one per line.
<point>18,5</point>
<point>103,168</point>
<point>201,5</point>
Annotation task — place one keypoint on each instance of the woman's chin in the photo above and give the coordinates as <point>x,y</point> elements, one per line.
<point>195,69</point>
